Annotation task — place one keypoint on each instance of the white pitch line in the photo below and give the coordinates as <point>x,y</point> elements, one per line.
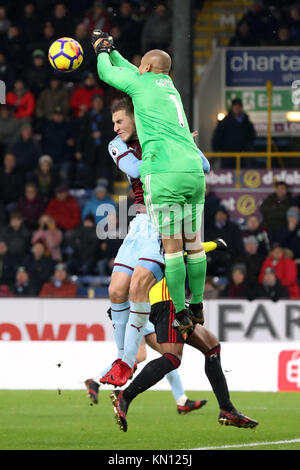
<point>251,444</point>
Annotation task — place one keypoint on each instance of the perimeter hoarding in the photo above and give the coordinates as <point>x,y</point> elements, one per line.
<point>246,72</point>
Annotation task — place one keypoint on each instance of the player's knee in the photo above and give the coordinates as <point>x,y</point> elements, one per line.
<point>174,359</point>
<point>139,289</point>
<point>117,294</point>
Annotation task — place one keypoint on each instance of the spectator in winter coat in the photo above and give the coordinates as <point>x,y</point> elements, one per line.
<point>46,178</point>
<point>99,199</point>
<point>60,285</point>
<point>218,264</point>
<point>254,229</point>
<point>238,287</point>
<point>64,209</point>
<point>31,206</point>
<point>94,134</point>
<point>83,95</point>
<point>58,141</point>
<point>289,234</point>
<point>9,127</point>
<point>23,285</point>
<point>285,270</point>
<point>270,287</point>
<point>22,100</point>
<point>84,243</point>
<point>11,181</point>
<point>26,150</point>
<point>52,97</point>
<point>235,133</point>
<point>16,236</point>
<point>157,31</point>
<point>38,265</point>
<point>37,74</point>
<point>274,208</point>
<point>50,236</point>
<point>8,264</point>
<point>252,259</point>
<point>97,18</point>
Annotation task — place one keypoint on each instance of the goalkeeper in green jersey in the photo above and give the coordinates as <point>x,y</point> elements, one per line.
<point>171,172</point>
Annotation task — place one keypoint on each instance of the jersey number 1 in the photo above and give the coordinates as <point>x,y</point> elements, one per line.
<point>178,109</point>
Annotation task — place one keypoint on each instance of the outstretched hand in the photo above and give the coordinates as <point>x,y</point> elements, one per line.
<point>102,42</point>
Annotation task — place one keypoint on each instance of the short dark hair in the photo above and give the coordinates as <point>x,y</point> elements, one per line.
<point>236,101</point>
<point>123,104</point>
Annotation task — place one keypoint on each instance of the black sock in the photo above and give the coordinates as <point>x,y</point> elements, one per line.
<point>152,373</point>
<point>216,377</point>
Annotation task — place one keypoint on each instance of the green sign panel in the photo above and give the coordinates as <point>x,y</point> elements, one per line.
<point>257,100</point>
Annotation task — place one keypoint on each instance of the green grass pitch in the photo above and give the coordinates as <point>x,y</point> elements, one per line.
<point>47,420</point>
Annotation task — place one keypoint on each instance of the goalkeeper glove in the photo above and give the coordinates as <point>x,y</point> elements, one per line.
<point>105,45</point>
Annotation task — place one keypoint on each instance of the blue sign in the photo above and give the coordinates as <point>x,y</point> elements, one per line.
<point>254,67</point>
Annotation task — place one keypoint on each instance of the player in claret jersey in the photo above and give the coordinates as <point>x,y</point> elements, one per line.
<point>138,266</point>
<point>171,170</point>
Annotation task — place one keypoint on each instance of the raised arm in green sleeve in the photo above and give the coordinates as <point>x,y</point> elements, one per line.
<point>123,79</point>
<point>117,59</point>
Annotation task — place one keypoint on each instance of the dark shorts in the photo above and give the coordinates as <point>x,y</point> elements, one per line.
<point>162,315</point>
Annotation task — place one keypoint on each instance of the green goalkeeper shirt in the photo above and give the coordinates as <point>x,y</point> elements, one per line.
<point>162,127</point>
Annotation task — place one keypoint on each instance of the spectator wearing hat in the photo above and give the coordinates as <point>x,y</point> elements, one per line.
<point>219,264</point>
<point>46,178</point>
<point>251,259</point>
<point>84,244</point>
<point>93,205</point>
<point>14,47</point>
<point>16,236</point>
<point>11,181</point>
<point>8,264</point>
<point>31,206</point>
<point>60,286</point>
<point>52,97</point>
<point>58,141</point>
<point>289,234</point>
<point>38,72</point>
<point>22,100</point>
<point>38,265</point>
<point>50,236</point>
<point>285,270</point>
<point>235,133</point>
<point>23,285</point>
<point>64,209</point>
<point>82,96</point>
<point>26,150</point>
<point>254,229</point>
<point>238,287</point>
<point>274,208</point>
<point>270,287</point>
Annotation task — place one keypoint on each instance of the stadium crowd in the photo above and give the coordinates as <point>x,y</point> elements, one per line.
<point>55,170</point>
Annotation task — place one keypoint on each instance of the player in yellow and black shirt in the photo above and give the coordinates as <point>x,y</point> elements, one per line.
<point>171,344</point>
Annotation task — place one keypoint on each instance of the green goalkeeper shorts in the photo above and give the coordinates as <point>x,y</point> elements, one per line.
<point>175,201</point>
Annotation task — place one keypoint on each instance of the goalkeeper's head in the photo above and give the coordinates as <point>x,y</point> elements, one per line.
<point>156,61</point>
<point>123,118</point>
